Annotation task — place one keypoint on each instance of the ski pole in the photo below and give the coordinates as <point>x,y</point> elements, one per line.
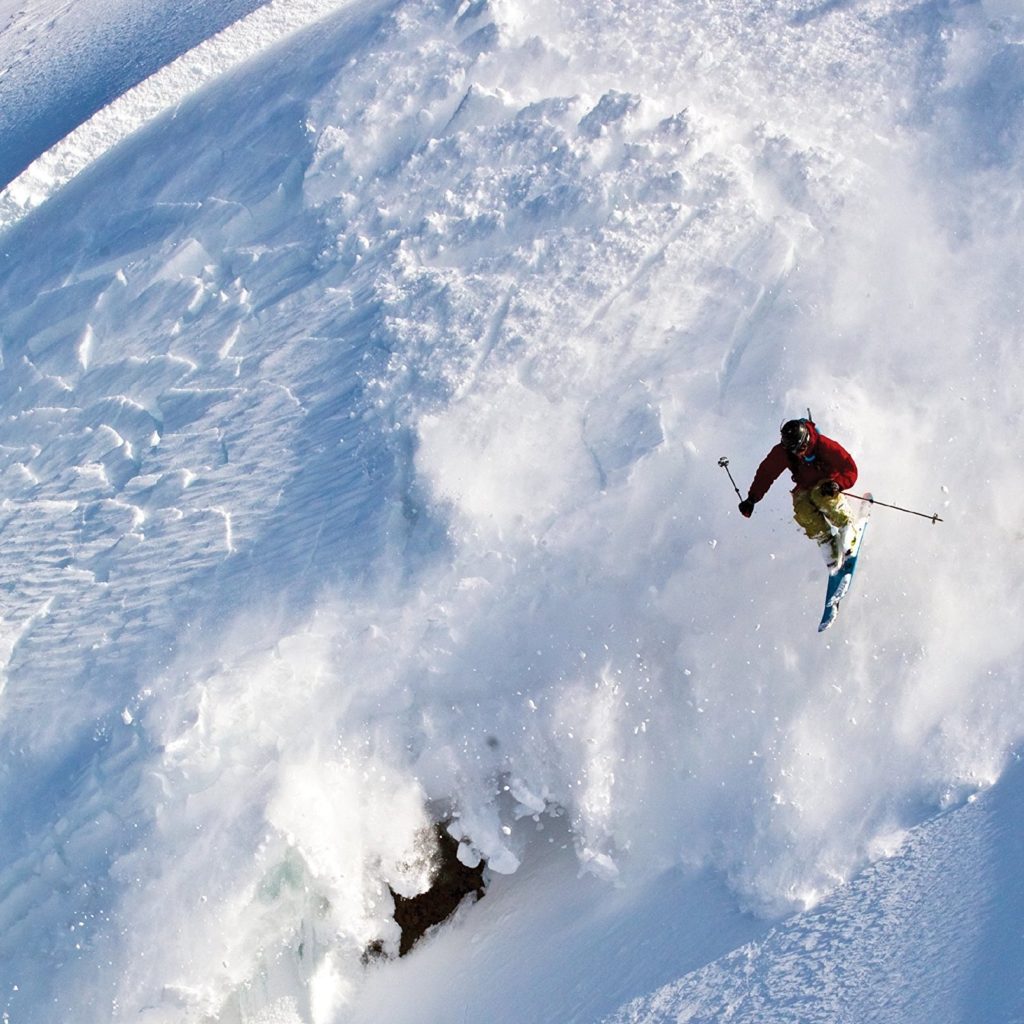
<point>874,501</point>
<point>724,463</point>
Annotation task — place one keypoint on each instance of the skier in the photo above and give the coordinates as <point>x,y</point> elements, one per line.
<point>821,469</point>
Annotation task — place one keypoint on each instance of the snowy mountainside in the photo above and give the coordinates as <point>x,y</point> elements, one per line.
<point>361,419</point>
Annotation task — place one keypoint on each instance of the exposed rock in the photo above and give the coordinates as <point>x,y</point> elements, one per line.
<point>453,881</point>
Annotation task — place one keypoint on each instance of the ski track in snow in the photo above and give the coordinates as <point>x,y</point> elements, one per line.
<point>361,412</point>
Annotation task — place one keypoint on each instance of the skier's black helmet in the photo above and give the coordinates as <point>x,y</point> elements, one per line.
<point>796,436</point>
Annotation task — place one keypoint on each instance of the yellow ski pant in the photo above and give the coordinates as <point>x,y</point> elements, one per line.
<point>817,514</point>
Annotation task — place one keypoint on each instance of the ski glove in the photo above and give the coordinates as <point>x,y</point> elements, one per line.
<point>829,489</point>
<point>746,508</point>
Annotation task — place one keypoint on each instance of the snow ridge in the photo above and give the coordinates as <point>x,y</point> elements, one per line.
<point>880,949</point>
<point>157,95</point>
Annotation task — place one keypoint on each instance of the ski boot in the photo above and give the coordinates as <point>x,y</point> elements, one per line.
<point>847,540</point>
<point>829,546</point>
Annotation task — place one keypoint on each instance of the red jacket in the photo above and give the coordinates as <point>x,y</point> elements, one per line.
<point>824,460</point>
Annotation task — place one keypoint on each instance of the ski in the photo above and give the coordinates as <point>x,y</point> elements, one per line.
<point>839,583</point>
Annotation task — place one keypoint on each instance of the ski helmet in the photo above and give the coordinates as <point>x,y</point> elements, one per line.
<point>796,436</point>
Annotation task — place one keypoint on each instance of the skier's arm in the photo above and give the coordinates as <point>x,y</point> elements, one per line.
<point>842,468</point>
<point>771,468</point>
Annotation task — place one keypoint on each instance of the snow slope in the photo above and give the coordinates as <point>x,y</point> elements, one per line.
<point>931,934</point>
<point>361,417</point>
<point>63,61</point>
<point>63,78</point>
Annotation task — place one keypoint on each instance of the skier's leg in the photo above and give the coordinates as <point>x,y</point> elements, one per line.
<point>836,510</point>
<point>808,516</point>
<point>813,522</point>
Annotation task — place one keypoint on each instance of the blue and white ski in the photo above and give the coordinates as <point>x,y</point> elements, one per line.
<point>839,583</point>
